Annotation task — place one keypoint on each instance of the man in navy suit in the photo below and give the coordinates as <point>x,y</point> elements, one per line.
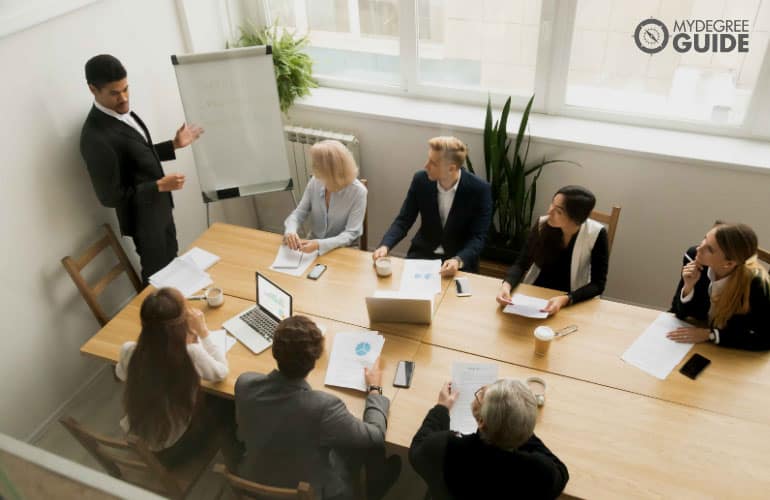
<point>124,165</point>
<point>455,208</point>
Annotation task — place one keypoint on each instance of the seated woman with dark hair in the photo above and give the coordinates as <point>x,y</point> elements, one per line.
<point>565,251</point>
<point>723,285</point>
<point>502,459</point>
<point>293,433</point>
<point>163,369</point>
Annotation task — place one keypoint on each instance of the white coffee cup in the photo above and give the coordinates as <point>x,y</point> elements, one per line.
<point>383,267</point>
<point>543,337</point>
<point>215,297</point>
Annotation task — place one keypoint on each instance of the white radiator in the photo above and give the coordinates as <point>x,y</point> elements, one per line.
<point>298,142</point>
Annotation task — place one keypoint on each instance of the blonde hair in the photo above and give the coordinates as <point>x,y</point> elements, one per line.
<point>333,164</point>
<point>508,410</point>
<point>739,244</point>
<point>453,150</point>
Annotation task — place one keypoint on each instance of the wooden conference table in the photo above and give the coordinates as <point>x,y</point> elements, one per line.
<point>621,432</point>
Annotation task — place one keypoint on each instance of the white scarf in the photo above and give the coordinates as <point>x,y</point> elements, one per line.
<point>580,268</point>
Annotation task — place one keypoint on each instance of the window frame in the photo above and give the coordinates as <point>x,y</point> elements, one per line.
<point>557,22</point>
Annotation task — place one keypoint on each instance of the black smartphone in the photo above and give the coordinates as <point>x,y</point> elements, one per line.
<point>316,272</point>
<point>404,372</point>
<point>694,366</point>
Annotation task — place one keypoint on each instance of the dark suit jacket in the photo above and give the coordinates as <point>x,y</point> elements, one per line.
<point>290,430</point>
<point>749,331</point>
<point>465,467</point>
<point>124,168</point>
<point>466,227</point>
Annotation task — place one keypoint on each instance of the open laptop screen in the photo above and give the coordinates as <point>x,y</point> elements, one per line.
<point>272,299</point>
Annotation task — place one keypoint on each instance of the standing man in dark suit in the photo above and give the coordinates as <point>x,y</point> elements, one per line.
<point>455,208</point>
<point>124,165</point>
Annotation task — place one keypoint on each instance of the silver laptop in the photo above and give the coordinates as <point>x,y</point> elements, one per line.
<point>254,327</point>
<point>385,307</point>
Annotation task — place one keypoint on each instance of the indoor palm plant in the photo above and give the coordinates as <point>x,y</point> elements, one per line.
<point>293,67</point>
<point>513,182</point>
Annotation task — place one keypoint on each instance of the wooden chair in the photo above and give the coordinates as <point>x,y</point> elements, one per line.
<point>763,255</point>
<point>245,489</point>
<point>364,240</point>
<point>131,460</point>
<point>611,219</point>
<point>74,266</point>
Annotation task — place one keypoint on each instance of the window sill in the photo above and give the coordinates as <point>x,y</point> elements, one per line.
<point>660,144</point>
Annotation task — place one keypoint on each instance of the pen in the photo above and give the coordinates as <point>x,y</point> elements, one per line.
<point>686,256</point>
<point>566,330</point>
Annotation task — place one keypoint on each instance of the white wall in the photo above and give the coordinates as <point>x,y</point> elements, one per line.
<point>667,206</point>
<point>49,209</point>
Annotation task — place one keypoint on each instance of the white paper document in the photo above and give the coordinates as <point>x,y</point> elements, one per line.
<point>293,262</point>
<point>222,339</point>
<point>524,305</point>
<point>421,277</point>
<point>182,275</point>
<point>653,352</point>
<point>351,353</point>
<point>467,378</point>
<point>200,258</point>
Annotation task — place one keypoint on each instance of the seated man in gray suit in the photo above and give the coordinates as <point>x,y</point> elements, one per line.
<point>293,433</point>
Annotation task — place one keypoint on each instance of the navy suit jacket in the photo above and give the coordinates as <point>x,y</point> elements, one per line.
<point>124,168</point>
<point>466,227</point>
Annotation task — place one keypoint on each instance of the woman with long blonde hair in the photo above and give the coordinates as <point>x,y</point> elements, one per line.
<point>334,199</point>
<point>723,285</point>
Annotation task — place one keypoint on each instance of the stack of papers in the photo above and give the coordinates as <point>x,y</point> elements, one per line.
<point>655,353</point>
<point>182,275</point>
<point>292,262</point>
<point>524,305</point>
<point>200,258</point>
<point>421,278</point>
<point>351,353</point>
<point>467,378</point>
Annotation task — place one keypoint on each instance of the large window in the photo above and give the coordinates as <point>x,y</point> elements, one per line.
<point>583,58</point>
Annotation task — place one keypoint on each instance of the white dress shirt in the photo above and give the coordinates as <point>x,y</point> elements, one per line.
<point>445,199</point>
<point>126,118</point>
<point>339,225</point>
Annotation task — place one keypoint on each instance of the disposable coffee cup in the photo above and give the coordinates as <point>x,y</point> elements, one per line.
<point>382,266</point>
<point>215,297</point>
<point>543,337</point>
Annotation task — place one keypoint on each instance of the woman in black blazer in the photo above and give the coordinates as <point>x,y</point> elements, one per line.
<point>725,287</point>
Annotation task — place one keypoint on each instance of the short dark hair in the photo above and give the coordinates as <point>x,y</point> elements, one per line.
<point>297,345</point>
<point>578,202</point>
<point>103,69</point>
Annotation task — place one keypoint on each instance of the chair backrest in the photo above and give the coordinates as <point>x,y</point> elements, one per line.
<point>611,220</point>
<point>123,459</point>
<point>763,255</point>
<point>248,489</point>
<point>74,266</point>
<point>364,241</point>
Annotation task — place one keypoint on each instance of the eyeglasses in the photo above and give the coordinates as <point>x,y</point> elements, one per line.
<point>479,393</point>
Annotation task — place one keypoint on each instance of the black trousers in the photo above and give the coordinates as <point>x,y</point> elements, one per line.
<point>157,246</point>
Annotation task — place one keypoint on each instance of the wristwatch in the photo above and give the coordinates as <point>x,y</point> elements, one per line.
<point>712,335</point>
<point>374,388</point>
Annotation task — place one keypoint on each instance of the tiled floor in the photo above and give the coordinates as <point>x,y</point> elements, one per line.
<point>99,408</point>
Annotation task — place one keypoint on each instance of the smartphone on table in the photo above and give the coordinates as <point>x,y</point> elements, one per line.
<point>694,366</point>
<point>316,272</point>
<point>404,372</point>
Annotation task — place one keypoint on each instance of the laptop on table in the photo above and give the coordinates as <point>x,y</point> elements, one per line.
<point>254,327</point>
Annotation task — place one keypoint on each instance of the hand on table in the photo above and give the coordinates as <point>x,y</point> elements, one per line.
<point>449,267</point>
<point>292,241</point>
<point>447,396</point>
<point>555,304</point>
<point>689,335</point>
<point>504,297</point>
<point>373,375</point>
<point>309,246</point>
<point>380,253</point>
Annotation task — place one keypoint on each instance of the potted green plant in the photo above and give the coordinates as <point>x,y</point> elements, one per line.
<point>293,67</point>
<point>513,182</point>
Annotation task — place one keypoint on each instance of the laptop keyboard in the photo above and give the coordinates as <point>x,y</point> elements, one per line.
<point>260,322</point>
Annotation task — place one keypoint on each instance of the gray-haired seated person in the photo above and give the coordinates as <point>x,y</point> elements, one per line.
<point>503,455</point>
